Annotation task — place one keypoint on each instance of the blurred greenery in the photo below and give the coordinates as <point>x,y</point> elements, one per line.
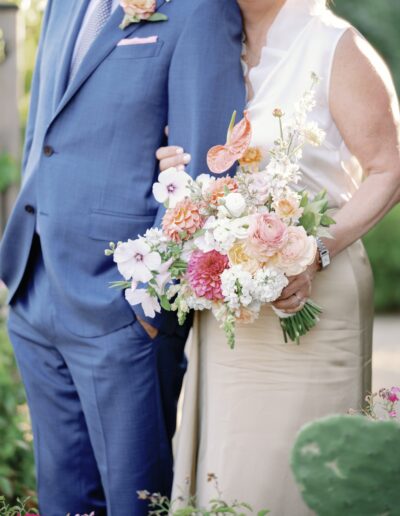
<point>379,21</point>
<point>9,171</point>
<point>16,460</point>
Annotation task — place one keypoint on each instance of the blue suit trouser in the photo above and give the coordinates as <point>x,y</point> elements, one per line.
<point>103,409</point>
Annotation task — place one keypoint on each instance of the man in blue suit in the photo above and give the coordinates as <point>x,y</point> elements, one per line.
<point>102,381</point>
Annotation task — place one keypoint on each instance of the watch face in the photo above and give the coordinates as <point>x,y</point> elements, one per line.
<point>325,260</point>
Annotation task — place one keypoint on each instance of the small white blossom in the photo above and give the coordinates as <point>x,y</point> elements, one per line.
<point>156,238</point>
<point>198,303</point>
<point>172,187</point>
<point>237,287</point>
<point>313,134</point>
<point>136,260</point>
<point>140,296</point>
<point>235,204</point>
<point>268,284</point>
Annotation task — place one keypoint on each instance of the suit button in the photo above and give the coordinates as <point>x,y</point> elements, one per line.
<point>48,151</point>
<point>29,209</point>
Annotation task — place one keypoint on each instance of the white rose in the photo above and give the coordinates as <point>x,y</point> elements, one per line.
<point>235,203</point>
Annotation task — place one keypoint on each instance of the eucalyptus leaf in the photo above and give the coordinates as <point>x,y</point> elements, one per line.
<point>158,17</point>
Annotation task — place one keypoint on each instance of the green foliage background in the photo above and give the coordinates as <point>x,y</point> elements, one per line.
<point>379,21</point>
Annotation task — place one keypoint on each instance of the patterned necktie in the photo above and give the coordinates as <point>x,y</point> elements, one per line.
<point>95,24</point>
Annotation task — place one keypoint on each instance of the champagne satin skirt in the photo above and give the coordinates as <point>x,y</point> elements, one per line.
<point>244,407</point>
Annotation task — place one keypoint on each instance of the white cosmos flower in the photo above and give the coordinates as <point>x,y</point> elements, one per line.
<point>140,296</point>
<point>172,187</point>
<point>135,260</point>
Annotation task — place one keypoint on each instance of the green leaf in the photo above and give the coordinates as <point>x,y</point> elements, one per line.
<point>6,487</point>
<point>308,221</point>
<point>158,17</point>
<point>326,220</point>
<point>165,303</point>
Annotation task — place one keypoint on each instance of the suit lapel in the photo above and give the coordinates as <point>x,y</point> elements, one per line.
<point>74,23</point>
<point>102,46</point>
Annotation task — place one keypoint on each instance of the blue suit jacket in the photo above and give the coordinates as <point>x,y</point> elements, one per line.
<point>89,162</point>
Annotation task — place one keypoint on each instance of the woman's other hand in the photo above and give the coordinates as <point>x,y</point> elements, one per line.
<point>172,157</point>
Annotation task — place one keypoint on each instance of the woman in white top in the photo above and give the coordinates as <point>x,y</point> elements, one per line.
<point>243,408</point>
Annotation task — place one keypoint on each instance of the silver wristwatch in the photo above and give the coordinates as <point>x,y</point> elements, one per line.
<point>323,253</point>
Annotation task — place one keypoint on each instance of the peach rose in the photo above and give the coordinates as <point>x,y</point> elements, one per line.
<point>267,236</point>
<point>288,208</point>
<point>238,256</point>
<point>141,9</point>
<point>298,253</point>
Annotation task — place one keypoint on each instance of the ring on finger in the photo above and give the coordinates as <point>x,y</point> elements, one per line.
<point>301,300</point>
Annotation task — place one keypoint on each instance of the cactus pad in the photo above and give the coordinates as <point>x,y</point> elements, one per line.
<point>349,466</point>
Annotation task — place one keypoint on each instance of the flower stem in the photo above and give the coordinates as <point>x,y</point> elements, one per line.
<point>300,323</point>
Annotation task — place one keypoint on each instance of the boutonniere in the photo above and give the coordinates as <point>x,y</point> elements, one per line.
<point>137,11</point>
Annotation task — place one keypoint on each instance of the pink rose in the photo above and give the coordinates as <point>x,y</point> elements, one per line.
<point>267,235</point>
<point>141,9</point>
<point>298,252</point>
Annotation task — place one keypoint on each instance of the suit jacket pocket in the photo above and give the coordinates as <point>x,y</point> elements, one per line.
<point>114,227</point>
<point>137,51</point>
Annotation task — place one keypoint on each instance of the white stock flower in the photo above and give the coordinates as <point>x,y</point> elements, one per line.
<point>313,134</point>
<point>223,235</point>
<point>240,227</point>
<point>268,284</point>
<point>206,241</point>
<point>155,237</point>
<point>198,303</point>
<point>140,296</point>
<point>135,260</point>
<point>172,187</point>
<point>237,287</point>
<point>204,180</point>
<point>235,204</point>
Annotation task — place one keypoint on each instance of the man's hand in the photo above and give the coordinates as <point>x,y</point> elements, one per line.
<point>149,329</point>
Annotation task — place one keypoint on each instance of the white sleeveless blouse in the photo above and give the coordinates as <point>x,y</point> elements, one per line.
<point>303,39</point>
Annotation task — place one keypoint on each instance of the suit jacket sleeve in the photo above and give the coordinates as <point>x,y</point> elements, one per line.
<point>205,86</point>
<point>30,127</point>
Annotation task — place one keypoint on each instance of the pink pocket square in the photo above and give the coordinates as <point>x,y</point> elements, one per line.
<point>138,41</point>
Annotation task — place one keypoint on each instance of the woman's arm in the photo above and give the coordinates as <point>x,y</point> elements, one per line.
<point>364,106</point>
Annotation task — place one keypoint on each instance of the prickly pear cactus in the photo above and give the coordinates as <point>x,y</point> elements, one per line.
<point>349,466</point>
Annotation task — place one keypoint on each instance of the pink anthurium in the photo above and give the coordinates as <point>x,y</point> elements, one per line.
<point>222,157</point>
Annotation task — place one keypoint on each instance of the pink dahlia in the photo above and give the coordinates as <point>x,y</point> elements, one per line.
<point>204,273</point>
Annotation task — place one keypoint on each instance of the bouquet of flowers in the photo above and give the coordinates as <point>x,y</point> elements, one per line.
<point>228,244</point>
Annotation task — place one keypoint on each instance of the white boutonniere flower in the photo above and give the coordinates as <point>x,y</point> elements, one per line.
<point>137,11</point>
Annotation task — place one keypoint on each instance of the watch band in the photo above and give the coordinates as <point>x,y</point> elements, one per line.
<point>325,257</point>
